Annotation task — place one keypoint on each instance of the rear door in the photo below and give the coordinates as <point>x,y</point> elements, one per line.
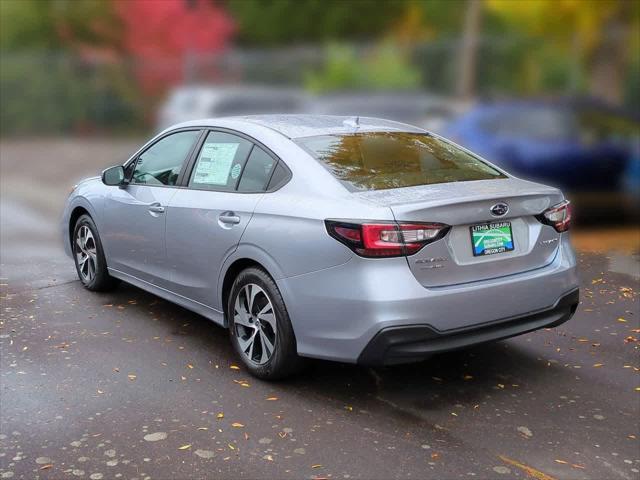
<point>205,221</point>
<point>135,215</point>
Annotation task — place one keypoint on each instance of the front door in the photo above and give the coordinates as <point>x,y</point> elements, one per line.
<point>135,215</point>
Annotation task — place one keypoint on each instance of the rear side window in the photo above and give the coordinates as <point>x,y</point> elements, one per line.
<point>220,162</point>
<point>257,171</point>
<point>382,160</point>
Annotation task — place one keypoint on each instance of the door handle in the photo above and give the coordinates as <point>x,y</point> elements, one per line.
<point>156,208</point>
<point>229,218</point>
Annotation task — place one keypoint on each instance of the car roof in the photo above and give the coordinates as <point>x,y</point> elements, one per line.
<point>296,126</point>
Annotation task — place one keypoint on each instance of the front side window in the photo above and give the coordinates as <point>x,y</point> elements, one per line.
<point>257,171</point>
<point>382,160</point>
<point>220,162</point>
<point>161,163</point>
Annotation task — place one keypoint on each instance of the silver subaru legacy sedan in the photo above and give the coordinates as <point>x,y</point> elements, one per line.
<point>352,239</point>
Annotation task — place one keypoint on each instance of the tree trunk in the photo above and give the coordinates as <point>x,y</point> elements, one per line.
<point>466,83</point>
<point>609,60</point>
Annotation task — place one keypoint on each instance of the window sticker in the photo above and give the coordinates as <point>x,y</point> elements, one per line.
<point>215,163</point>
<point>235,171</point>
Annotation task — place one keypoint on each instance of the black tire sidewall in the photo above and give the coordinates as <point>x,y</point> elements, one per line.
<point>284,360</point>
<point>101,280</point>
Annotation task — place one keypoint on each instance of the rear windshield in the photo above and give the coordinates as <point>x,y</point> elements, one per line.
<point>381,160</point>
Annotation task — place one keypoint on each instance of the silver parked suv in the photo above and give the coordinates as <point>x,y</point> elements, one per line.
<point>342,238</point>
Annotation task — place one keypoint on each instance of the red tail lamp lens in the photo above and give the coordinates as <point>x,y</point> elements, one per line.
<point>385,239</point>
<point>558,216</point>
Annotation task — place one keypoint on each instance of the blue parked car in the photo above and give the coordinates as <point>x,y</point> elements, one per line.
<point>583,147</point>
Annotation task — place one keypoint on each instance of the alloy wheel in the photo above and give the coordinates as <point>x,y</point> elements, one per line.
<point>86,254</point>
<point>255,324</point>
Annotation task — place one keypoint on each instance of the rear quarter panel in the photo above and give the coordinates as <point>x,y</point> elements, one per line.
<point>288,228</point>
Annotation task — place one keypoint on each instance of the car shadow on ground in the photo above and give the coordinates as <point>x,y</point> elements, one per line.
<point>465,378</point>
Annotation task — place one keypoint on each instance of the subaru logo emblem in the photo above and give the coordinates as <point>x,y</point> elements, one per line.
<point>499,209</point>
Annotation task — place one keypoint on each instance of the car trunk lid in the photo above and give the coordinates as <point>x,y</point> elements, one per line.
<point>463,205</point>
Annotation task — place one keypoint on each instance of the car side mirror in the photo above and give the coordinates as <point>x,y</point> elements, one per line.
<point>113,176</point>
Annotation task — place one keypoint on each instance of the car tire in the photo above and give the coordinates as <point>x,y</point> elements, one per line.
<point>255,309</point>
<point>89,258</point>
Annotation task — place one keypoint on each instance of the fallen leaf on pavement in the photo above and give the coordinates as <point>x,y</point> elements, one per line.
<point>532,472</point>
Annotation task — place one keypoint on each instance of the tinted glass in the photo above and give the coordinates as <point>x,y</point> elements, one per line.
<point>380,160</point>
<point>220,162</point>
<point>279,177</point>
<point>161,163</point>
<point>257,171</point>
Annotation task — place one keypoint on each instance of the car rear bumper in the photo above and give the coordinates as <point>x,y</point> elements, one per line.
<point>412,343</point>
<point>337,312</point>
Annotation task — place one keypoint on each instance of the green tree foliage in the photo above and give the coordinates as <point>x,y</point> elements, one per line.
<point>50,81</point>
<point>387,67</point>
<point>27,25</point>
<point>597,41</point>
<point>278,22</point>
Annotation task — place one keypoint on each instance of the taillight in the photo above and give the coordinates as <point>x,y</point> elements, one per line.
<point>558,216</point>
<point>385,239</point>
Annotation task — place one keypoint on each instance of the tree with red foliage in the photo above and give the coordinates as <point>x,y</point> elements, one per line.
<point>163,36</point>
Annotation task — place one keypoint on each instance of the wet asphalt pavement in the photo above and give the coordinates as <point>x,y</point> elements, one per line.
<point>126,385</point>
